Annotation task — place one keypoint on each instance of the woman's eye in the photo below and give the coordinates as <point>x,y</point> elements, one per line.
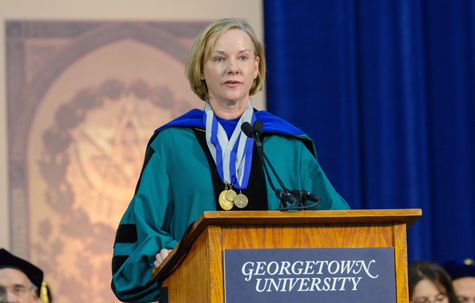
<point>243,58</point>
<point>219,59</point>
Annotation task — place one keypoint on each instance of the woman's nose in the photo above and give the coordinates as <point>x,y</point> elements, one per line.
<point>232,67</point>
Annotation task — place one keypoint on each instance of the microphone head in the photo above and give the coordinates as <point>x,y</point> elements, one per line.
<point>283,196</point>
<point>258,126</point>
<point>247,129</point>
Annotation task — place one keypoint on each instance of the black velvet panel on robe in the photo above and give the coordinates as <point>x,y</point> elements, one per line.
<point>256,190</point>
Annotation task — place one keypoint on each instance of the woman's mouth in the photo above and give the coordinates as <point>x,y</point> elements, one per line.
<point>232,83</point>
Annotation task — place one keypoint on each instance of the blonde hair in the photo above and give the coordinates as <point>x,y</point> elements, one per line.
<point>211,34</point>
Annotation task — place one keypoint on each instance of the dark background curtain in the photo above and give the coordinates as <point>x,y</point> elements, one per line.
<point>387,91</point>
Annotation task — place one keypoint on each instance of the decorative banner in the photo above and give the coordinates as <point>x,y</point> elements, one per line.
<point>91,97</point>
<point>310,275</point>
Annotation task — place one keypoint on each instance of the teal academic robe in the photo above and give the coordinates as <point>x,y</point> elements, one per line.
<point>175,188</point>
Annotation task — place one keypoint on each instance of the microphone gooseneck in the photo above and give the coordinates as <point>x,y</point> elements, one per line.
<point>285,195</point>
<point>255,133</point>
<point>249,131</point>
<point>280,194</point>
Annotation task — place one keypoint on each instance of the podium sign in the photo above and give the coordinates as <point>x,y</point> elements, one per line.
<point>322,256</point>
<point>310,275</point>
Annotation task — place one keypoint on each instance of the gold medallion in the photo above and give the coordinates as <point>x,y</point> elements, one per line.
<point>225,203</point>
<point>230,194</point>
<point>241,200</point>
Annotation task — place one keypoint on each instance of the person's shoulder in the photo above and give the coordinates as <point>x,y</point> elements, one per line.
<point>172,136</point>
<point>276,125</point>
<point>177,129</point>
<point>172,131</point>
<point>275,128</point>
<point>193,118</point>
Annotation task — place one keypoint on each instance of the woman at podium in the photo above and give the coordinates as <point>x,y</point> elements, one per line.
<point>202,161</point>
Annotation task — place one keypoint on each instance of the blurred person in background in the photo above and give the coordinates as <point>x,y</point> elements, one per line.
<point>429,283</point>
<point>463,279</point>
<point>20,281</point>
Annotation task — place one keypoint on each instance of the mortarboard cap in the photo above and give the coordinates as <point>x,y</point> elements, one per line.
<point>7,260</point>
<point>457,269</point>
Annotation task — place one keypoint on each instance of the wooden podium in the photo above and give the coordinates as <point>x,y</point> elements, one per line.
<point>200,277</point>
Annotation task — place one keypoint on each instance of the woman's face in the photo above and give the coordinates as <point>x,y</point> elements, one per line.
<point>426,291</point>
<point>230,70</point>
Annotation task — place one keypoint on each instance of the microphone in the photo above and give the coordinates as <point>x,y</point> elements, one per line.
<point>303,196</point>
<point>286,197</point>
<point>283,195</point>
<point>280,194</point>
<point>247,129</point>
<point>309,196</point>
<point>254,132</point>
<point>251,132</point>
<point>258,126</point>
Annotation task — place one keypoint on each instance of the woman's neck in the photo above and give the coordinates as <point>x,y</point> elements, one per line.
<point>228,110</point>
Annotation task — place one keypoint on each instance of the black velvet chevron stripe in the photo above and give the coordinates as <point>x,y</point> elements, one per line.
<point>148,154</point>
<point>126,233</point>
<point>146,288</point>
<point>117,262</point>
<point>163,294</point>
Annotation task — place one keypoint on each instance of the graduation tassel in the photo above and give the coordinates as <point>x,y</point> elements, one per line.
<point>44,293</point>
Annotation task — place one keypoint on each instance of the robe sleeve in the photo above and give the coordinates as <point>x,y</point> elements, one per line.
<point>315,181</point>
<point>143,231</point>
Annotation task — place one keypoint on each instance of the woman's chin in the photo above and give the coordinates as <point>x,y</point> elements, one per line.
<point>237,98</point>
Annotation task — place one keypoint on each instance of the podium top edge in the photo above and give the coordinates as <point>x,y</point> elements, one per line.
<point>316,213</point>
<point>408,216</point>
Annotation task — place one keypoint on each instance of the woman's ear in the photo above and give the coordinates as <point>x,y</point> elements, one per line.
<point>257,67</point>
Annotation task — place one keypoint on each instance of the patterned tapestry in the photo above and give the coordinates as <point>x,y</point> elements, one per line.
<point>83,100</point>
